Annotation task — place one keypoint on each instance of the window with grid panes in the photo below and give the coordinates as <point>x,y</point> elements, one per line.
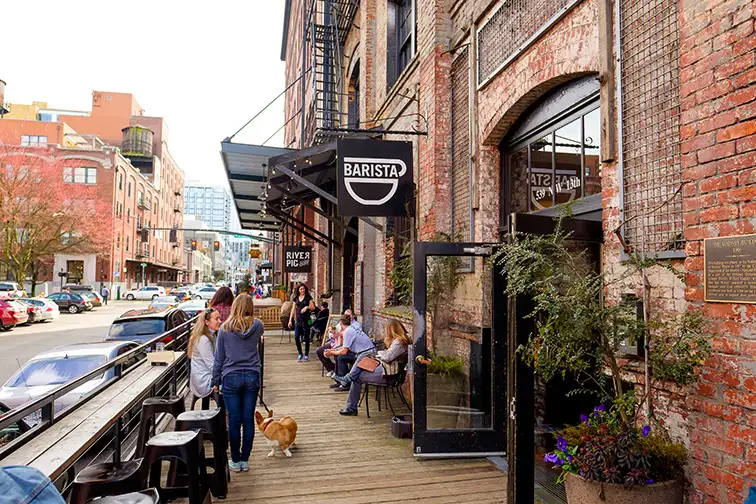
<point>460,143</point>
<point>401,32</point>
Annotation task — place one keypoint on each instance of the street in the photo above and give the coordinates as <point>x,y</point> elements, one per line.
<point>24,342</point>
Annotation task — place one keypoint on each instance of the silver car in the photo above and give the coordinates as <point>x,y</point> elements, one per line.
<point>48,310</point>
<point>53,368</point>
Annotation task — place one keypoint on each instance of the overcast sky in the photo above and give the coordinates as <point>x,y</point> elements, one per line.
<point>206,66</point>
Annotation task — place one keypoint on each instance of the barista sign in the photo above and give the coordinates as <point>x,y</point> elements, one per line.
<point>298,259</point>
<point>375,178</point>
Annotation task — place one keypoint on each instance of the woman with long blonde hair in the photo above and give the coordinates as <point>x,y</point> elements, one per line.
<point>201,352</point>
<point>397,340</point>
<point>237,369</point>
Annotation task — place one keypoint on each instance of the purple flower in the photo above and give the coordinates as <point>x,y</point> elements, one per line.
<point>561,443</point>
<point>645,430</point>
<point>648,481</point>
<point>584,418</point>
<point>599,409</point>
<point>551,457</point>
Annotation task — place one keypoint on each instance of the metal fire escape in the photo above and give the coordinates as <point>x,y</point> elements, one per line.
<point>329,23</point>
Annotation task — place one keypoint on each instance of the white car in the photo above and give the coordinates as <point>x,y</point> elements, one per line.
<point>48,310</point>
<point>148,292</point>
<point>205,293</point>
<point>10,290</point>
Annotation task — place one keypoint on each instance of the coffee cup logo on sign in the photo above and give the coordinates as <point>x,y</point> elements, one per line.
<point>373,171</point>
<point>374,178</point>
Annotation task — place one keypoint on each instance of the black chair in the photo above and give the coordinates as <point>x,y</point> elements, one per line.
<point>394,384</point>
<point>98,480</point>
<point>212,424</point>
<point>151,407</point>
<point>186,447</point>
<point>149,496</point>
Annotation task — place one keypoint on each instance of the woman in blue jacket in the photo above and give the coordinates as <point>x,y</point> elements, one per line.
<point>237,369</point>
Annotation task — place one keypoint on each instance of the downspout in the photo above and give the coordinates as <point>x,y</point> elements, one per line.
<point>329,266</point>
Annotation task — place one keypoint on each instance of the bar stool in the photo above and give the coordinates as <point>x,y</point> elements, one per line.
<point>149,496</point>
<point>187,447</point>
<point>152,406</point>
<point>212,424</point>
<point>107,479</point>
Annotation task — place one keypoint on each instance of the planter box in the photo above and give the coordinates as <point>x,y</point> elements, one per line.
<point>582,491</point>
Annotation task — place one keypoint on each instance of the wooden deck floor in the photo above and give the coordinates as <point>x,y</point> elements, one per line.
<point>347,459</point>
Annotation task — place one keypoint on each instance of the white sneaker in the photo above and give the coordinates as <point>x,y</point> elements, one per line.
<point>330,374</point>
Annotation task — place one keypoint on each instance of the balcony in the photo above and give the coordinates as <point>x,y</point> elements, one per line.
<point>177,193</point>
<point>143,204</point>
<point>177,209</point>
<point>142,255</point>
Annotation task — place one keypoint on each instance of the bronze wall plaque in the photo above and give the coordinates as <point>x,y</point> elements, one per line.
<point>730,269</point>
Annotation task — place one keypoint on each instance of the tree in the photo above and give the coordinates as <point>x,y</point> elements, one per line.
<point>43,212</point>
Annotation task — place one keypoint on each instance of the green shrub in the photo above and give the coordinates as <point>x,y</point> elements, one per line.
<point>446,366</point>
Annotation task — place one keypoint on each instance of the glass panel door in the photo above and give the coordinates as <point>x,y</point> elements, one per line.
<point>459,364</point>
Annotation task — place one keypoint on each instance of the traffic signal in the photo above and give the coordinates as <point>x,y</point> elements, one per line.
<point>216,245</point>
<point>194,244</point>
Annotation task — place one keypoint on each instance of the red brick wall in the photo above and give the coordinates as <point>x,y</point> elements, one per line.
<point>718,107</point>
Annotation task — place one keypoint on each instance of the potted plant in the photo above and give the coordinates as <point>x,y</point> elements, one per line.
<point>446,385</point>
<point>577,333</point>
<point>605,460</point>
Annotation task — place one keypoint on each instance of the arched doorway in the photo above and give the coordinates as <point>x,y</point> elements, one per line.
<point>550,158</point>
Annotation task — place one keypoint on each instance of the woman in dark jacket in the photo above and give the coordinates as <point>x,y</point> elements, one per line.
<point>237,368</point>
<point>303,306</point>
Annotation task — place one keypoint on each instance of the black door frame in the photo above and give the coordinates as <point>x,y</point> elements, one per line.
<point>468,442</point>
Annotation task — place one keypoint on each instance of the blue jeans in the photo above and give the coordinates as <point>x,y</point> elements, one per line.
<point>302,334</point>
<point>240,397</point>
<point>343,361</point>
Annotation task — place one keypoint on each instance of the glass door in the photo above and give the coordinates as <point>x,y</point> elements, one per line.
<point>459,360</point>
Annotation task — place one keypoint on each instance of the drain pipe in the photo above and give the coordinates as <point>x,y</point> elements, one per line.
<point>330,250</point>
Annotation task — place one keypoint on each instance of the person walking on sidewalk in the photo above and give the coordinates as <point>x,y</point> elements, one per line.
<point>303,305</point>
<point>237,370</point>
<point>104,292</point>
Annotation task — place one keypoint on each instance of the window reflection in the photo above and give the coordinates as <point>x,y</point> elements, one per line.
<point>541,173</point>
<point>592,146</point>
<point>567,146</point>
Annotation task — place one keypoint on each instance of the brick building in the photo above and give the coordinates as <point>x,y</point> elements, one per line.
<point>124,153</point>
<point>641,113</point>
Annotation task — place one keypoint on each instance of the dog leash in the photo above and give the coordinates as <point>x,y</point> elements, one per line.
<point>264,405</point>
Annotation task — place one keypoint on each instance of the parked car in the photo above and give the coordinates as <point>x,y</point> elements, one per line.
<point>163,303</point>
<point>48,310</point>
<point>205,293</point>
<point>146,292</point>
<point>53,368</point>
<point>11,290</point>
<point>77,287</point>
<point>93,297</point>
<point>70,301</point>
<point>143,325</point>
<point>12,314</point>
<point>182,294</point>
<point>31,310</point>
<point>193,307</point>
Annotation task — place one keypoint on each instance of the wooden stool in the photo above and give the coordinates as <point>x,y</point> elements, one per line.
<point>187,447</point>
<point>212,424</point>
<point>151,407</point>
<point>107,479</point>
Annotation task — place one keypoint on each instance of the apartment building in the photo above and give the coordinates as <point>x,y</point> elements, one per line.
<point>125,153</point>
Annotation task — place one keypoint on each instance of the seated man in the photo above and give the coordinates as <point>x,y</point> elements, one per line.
<point>334,342</point>
<point>355,342</point>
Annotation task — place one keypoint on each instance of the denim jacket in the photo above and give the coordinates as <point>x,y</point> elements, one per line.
<point>27,485</point>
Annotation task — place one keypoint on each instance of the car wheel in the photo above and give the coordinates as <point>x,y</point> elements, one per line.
<point>155,296</point>
<point>73,309</point>
<point>130,297</point>
<point>4,327</point>
<point>197,297</point>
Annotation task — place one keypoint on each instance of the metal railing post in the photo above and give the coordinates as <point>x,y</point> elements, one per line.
<point>117,443</point>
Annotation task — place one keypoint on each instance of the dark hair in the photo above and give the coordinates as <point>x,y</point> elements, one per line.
<point>346,320</point>
<point>222,297</point>
<point>324,304</point>
<point>307,290</point>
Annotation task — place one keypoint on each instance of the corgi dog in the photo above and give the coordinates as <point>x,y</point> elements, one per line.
<point>281,433</point>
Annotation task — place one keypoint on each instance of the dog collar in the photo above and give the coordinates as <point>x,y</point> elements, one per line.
<point>266,423</point>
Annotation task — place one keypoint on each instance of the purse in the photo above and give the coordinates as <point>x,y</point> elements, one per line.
<point>368,364</point>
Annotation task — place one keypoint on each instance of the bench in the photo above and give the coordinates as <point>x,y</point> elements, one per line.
<point>60,446</point>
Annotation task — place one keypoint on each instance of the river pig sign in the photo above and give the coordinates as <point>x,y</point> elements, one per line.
<point>375,178</point>
<point>298,259</point>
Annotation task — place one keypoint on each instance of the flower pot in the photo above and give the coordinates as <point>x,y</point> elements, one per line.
<point>582,491</point>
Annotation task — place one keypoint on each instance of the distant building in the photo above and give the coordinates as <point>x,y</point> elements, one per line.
<point>125,153</point>
<point>212,205</point>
